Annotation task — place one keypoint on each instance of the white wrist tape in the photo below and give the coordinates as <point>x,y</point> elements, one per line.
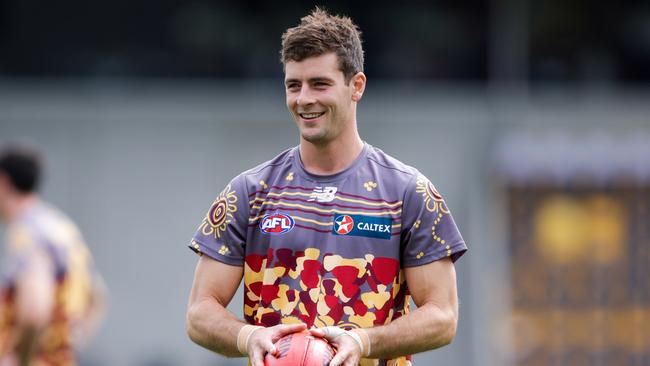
<point>367,337</point>
<point>335,332</point>
<point>356,337</point>
<point>244,336</point>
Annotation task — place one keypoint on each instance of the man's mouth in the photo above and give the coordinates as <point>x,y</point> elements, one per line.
<point>311,115</point>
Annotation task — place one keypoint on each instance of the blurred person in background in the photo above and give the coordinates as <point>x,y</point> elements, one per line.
<point>52,300</point>
<point>332,235</point>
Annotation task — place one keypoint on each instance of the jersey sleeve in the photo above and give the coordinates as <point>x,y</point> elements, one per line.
<point>222,233</point>
<point>429,232</point>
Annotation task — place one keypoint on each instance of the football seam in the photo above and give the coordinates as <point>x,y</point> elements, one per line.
<point>305,352</point>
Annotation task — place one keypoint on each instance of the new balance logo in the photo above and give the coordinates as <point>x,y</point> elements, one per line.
<point>323,194</point>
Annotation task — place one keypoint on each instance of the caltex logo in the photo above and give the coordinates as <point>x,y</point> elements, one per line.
<point>362,225</point>
<point>276,223</point>
<point>344,224</point>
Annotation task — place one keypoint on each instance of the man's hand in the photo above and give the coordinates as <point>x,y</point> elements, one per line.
<point>349,345</point>
<point>261,340</point>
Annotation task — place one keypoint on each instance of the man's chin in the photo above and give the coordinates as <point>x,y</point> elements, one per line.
<point>316,139</point>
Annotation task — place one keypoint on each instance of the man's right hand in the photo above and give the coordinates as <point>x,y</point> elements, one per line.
<point>261,341</point>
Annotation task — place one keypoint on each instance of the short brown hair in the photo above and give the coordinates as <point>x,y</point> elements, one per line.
<point>319,33</point>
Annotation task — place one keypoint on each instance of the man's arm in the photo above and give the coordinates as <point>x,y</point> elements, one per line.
<point>432,324</point>
<point>209,323</point>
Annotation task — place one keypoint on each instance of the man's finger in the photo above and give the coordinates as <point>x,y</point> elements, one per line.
<point>290,328</point>
<point>338,359</point>
<point>257,359</point>
<point>259,352</point>
<point>270,348</point>
<point>329,333</point>
<point>317,332</point>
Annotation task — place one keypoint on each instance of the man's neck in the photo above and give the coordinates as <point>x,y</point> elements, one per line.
<point>18,204</point>
<point>332,157</point>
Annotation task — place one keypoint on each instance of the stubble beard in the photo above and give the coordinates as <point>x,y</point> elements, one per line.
<point>322,135</point>
<point>316,140</point>
<point>319,135</point>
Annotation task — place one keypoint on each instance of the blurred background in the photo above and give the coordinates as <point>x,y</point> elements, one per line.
<point>531,117</point>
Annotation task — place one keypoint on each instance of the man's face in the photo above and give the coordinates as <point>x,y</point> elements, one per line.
<point>318,98</point>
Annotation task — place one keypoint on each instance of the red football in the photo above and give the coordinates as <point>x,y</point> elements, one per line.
<point>301,349</point>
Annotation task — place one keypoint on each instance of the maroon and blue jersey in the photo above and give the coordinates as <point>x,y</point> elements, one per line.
<point>329,250</point>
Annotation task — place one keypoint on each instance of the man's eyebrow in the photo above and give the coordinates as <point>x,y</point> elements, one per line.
<point>311,81</point>
<point>320,79</point>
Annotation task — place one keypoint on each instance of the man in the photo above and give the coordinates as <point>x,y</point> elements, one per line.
<point>51,301</point>
<point>333,235</point>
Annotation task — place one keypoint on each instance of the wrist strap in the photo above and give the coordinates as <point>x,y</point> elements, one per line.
<point>244,336</point>
<point>357,333</point>
<point>356,337</point>
<point>333,332</point>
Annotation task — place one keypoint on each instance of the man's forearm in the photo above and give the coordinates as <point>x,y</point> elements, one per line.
<point>212,326</point>
<point>425,328</point>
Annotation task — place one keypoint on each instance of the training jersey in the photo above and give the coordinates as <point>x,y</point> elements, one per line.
<point>328,250</point>
<point>44,229</point>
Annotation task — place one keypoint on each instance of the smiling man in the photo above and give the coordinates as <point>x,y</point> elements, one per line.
<point>333,235</point>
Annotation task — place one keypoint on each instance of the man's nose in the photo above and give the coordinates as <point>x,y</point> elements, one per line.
<point>305,97</point>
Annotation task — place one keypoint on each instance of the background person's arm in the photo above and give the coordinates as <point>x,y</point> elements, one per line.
<point>35,288</point>
<point>92,319</point>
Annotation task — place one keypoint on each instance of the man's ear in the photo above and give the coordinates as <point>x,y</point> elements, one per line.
<point>358,82</point>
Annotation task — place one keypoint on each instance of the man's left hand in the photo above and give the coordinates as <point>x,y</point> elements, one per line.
<point>349,347</point>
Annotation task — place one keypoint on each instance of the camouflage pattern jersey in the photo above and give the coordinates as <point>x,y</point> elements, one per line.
<point>328,250</point>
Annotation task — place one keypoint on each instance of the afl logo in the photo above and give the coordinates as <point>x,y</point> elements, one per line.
<point>343,224</point>
<point>276,223</point>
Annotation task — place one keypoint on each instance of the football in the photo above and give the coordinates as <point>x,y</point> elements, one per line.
<point>301,349</point>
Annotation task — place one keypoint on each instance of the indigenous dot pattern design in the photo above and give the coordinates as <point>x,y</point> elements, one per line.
<point>220,214</point>
<point>434,203</point>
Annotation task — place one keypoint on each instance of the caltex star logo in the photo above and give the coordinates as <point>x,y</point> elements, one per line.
<point>344,224</point>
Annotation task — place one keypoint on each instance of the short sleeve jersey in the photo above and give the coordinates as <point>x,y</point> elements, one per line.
<point>45,230</point>
<point>328,250</point>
